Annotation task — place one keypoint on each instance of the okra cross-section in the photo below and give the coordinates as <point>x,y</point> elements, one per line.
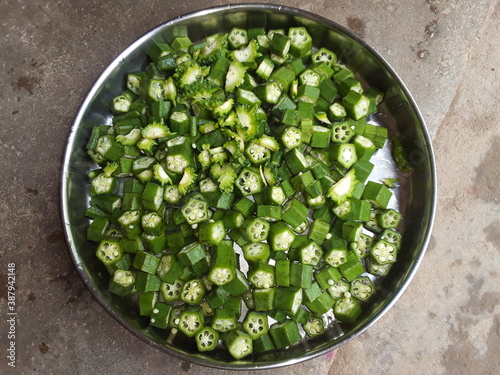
<point>193,292</point>
<point>195,211</point>
<point>249,181</point>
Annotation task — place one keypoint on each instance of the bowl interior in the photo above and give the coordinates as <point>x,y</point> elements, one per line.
<point>416,196</point>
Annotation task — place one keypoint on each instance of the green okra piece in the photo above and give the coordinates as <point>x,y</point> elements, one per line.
<point>192,253</point>
<point>212,233</point>
<point>171,291</point>
<point>347,309</point>
<point>388,218</point>
<point>255,324</point>
<point>122,282</point>
<point>262,275</point>
<point>285,334</point>
<point>288,299</point>
<point>321,304</point>
<point>147,302</point>
<point>238,343</point>
<point>169,268</point>
<point>160,315</point>
<point>222,270</point>
<point>191,321</point>
<point>206,339</point>
<point>263,298</point>
<point>280,236</point>
<point>255,229</point>
<point>146,282</point>
<point>352,268</point>
<point>256,252</point>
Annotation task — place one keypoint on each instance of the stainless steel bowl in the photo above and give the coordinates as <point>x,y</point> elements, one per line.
<point>416,196</point>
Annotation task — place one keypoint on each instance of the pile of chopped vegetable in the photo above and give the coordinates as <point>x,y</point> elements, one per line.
<point>233,196</point>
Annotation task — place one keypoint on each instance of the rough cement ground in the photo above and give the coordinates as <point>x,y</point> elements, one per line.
<point>447,52</point>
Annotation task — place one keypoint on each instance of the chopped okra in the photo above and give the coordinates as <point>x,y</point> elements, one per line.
<point>237,169</point>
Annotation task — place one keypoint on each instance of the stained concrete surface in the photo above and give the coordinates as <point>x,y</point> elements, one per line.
<point>447,53</point>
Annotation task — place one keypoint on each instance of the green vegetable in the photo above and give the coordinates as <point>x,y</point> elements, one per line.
<point>247,150</point>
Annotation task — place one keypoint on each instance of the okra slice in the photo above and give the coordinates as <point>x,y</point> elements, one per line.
<point>147,302</point>
<point>169,268</point>
<point>285,334</point>
<point>300,42</point>
<point>256,252</point>
<point>352,230</point>
<point>388,218</point>
<point>263,299</point>
<point>109,251</point>
<point>288,299</point>
<point>191,321</point>
<point>301,275</point>
<point>212,233</point>
<point>223,265</point>
<point>280,236</point>
<point>338,288</point>
<point>256,229</point>
<point>192,253</point>
<point>268,212</point>
<point>362,288</point>
<point>195,211</point>
<point>347,309</point>
<point>238,285</point>
<point>193,292</point>
<point>160,315</point>
<point>378,269</point>
<point>361,247</point>
<point>336,254</point>
<point>98,228</point>
<point>249,182</point>
<point>314,327</point>
<point>310,253</point>
<point>152,196</point>
<point>238,343</point>
<point>171,291</point>
<point>263,344</point>
<point>383,252</point>
<point>122,282</point>
<point>146,262</point>
<point>343,188</point>
<point>224,320</point>
<point>294,213</point>
<point>321,305</point>
<point>262,275</point>
<point>255,324</point>
<point>282,272</point>
<point>206,339</point>
<point>153,224</point>
<point>146,282</point>
<point>392,236</point>
<point>352,268</point>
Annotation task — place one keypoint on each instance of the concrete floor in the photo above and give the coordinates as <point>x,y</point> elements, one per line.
<point>447,53</point>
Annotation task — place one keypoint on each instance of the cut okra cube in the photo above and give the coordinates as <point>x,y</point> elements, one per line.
<point>288,299</point>
<point>223,265</point>
<point>285,334</point>
<point>321,304</point>
<point>238,343</point>
<point>147,302</point>
<point>192,253</point>
<point>122,282</point>
<point>146,282</point>
<point>377,194</point>
<point>347,309</point>
<point>263,298</point>
<point>146,262</point>
<point>352,268</point>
